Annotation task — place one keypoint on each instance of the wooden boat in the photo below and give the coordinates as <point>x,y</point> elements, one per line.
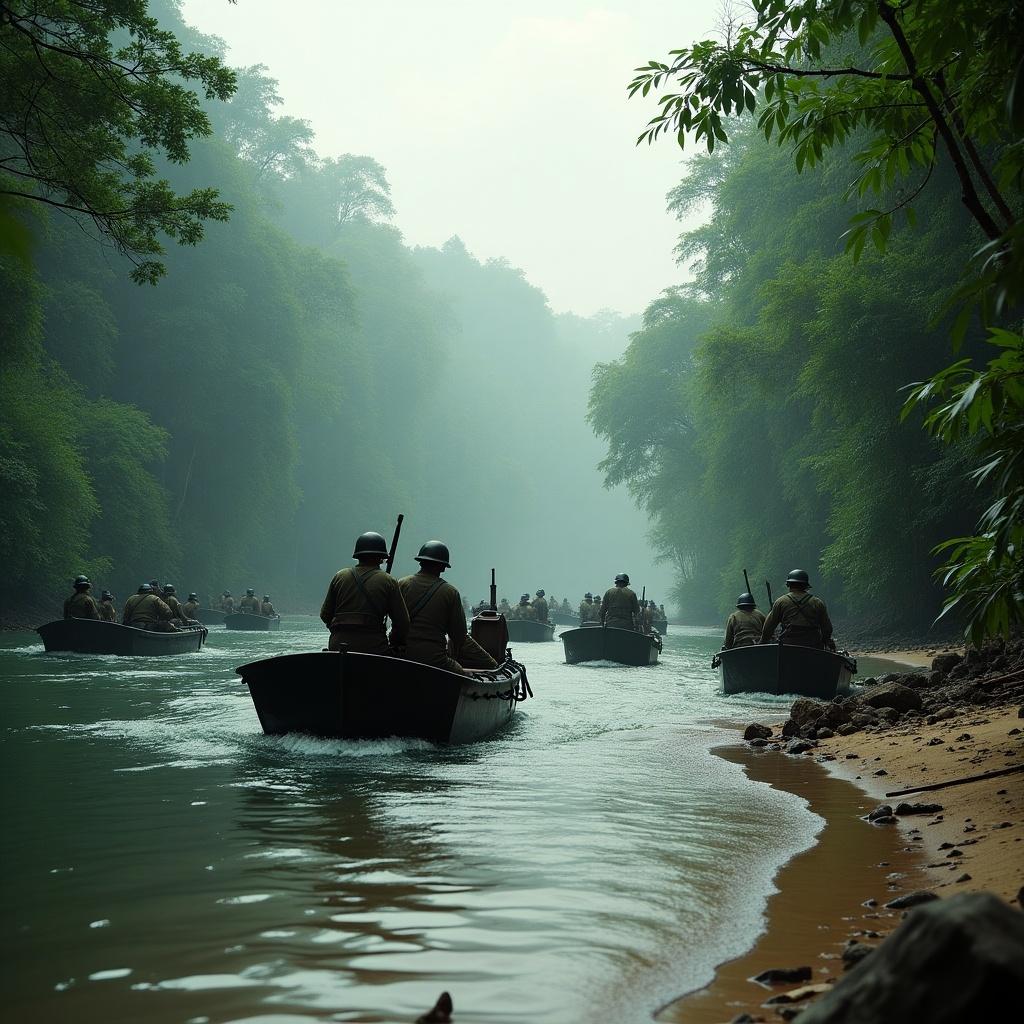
<point>370,696</point>
<point>530,631</point>
<point>560,618</point>
<point>661,625</point>
<point>785,668</point>
<point>594,642</point>
<point>211,616</point>
<point>246,620</point>
<point>93,636</point>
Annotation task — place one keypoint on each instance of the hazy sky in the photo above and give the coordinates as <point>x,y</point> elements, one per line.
<point>505,123</point>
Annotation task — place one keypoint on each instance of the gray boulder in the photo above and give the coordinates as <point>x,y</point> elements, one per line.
<point>756,731</point>
<point>893,695</point>
<point>954,960</point>
<point>805,711</point>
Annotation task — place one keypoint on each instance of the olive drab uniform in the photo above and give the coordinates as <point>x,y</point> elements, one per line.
<point>108,613</point>
<point>435,612</point>
<point>266,608</point>
<point>357,601</point>
<point>249,604</point>
<point>743,628</point>
<point>620,608</point>
<point>81,606</point>
<point>177,612</point>
<point>189,609</point>
<point>803,618</point>
<point>523,611</point>
<point>540,609</point>
<point>147,611</point>
<point>227,604</point>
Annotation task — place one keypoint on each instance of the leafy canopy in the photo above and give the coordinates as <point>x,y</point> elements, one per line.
<point>90,91</point>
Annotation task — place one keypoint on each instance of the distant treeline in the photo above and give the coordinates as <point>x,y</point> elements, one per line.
<point>756,413</point>
<point>298,377</point>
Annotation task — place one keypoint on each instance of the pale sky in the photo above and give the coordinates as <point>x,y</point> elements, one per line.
<point>505,123</point>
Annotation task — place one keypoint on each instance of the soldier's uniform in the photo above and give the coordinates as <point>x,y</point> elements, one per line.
<point>147,611</point>
<point>743,628</point>
<point>620,608</point>
<point>505,608</point>
<point>803,618</point>
<point>587,609</point>
<point>357,600</point>
<point>523,610</point>
<point>108,613</point>
<point>540,609</point>
<point>250,603</point>
<point>227,604</point>
<point>177,612</point>
<point>189,609</point>
<point>81,606</point>
<point>435,612</point>
<point>266,608</point>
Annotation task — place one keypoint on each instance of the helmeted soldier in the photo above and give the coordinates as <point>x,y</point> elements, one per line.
<point>250,603</point>
<point>803,618</point>
<point>437,624</point>
<point>191,606</point>
<point>361,597</point>
<point>81,604</point>
<point>523,610</point>
<point>744,626</point>
<point>620,608</point>
<point>266,608</point>
<point>586,608</point>
<point>145,610</point>
<point>227,602</point>
<point>540,607</point>
<point>108,613</point>
<point>170,598</point>
<point>566,607</point>
<point>504,607</point>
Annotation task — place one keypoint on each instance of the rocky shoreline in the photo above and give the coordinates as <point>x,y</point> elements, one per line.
<point>938,751</point>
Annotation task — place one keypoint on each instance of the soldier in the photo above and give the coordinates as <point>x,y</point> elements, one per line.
<point>803,618</point>
<point>620,608</point>
<point>540,607</point>
<point>191,606</point>
<point>145,610</point>
<point>523,610</point>
<point>81,604</point>
<point>227,603</point>
<point>504,607</point>
<point>266,608</point>
<point>108,613</point>
<point>586,608</point>
<point>250,603</point>
<point>435,612</point>
<point>170,599</point>
<point>566,607</point>
<point>743,628</point>
<point>359,598</point>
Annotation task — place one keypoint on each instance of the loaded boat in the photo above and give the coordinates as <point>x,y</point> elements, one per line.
<point>562,618</point>
<point>211,616</point>
<point>594,642</point>
<point>95,636</point>
<point>246,620</point>
<point>530,631</point>
<point>785,668</point>
<point>661,625</point>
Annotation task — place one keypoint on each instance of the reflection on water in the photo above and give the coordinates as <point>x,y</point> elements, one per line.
<point>167,862</point>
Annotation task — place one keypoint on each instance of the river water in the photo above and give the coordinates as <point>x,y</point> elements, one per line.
<point>164,861</point>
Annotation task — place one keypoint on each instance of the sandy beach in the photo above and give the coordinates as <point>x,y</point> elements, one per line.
<point>833,895</point>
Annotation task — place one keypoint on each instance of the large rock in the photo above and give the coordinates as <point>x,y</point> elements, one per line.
<point>893,695</point>
<point>952,961</point>
<point>806,711</point>
<point>756,731</point>
<point>945,663</point>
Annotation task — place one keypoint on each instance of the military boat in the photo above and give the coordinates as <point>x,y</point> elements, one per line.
<point>530,631</point>
<point>785,668</point>
<point>94,636</point>
<point>211,616</point>
<point>246,620</point>
<point>560,618</point>
<point>353,696</point>
<point>594,642</point>
<point>661,625</point>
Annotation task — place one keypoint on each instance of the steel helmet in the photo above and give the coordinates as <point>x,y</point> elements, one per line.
<point>155,584</point>
<point>435,551</point>
<point>524,598</point>
<point>106,596</point>
<point>798,576</point>
<point>146,588</point>
<point>266,597</point>
<point>745,601</point>
<point>168,588</point>
<point>251,592</point>
<point>369,544</point>
<point>81,581</point>
<point>622,577</point>
<point>227,593</point>
<point>193,596</point>
<point>540,593</point>
<point>588,596</point>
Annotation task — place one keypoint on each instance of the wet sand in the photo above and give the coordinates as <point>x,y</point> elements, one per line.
<point>975,842</point>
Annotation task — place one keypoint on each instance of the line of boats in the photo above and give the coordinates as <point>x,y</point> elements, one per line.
<point>350,695</point>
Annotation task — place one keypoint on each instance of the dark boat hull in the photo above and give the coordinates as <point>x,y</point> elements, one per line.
<point>245,620</point>
<point>211,616</point>
<point>561,618</point>
<point>605,643</point>
<point>661,625</point>
<point>530,631</point>
<point>90,636</point>
<point>368,696</point>
<point>785,668</point>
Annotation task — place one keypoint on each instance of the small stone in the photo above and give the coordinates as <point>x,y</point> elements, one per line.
<point>782,976</point>
<point>881,771</point>
<point>911,899</point>
<point>759,742</point>
<point>964,877</point>
<point>870,903</point>
<point>756,731</point>
<point>935,741</point>
<point>881,811</point>
<point>905,808</point>
<point>852,757</point>
<point>955,853</point>
<point>847,729</point>
<point>854,953</point>
<point>799,747</point>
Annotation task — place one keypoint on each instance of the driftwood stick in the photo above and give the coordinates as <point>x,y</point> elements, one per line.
<point>958,782</point>
<point>1019,672</point>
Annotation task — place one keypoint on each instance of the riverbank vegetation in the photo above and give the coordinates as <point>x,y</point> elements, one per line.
<point>780,375</point>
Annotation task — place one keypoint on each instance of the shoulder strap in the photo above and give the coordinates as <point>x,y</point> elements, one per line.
<point>425,598</point>
<point>361,587</point>
<point>800,608</point>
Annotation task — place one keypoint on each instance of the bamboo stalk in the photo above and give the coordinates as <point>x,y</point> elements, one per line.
<point>958,782</point>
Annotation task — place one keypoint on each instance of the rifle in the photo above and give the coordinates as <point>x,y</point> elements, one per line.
<point>394,542</point>
<point>494,593</point>
<point>746,580</point>
<point>770,599</point>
